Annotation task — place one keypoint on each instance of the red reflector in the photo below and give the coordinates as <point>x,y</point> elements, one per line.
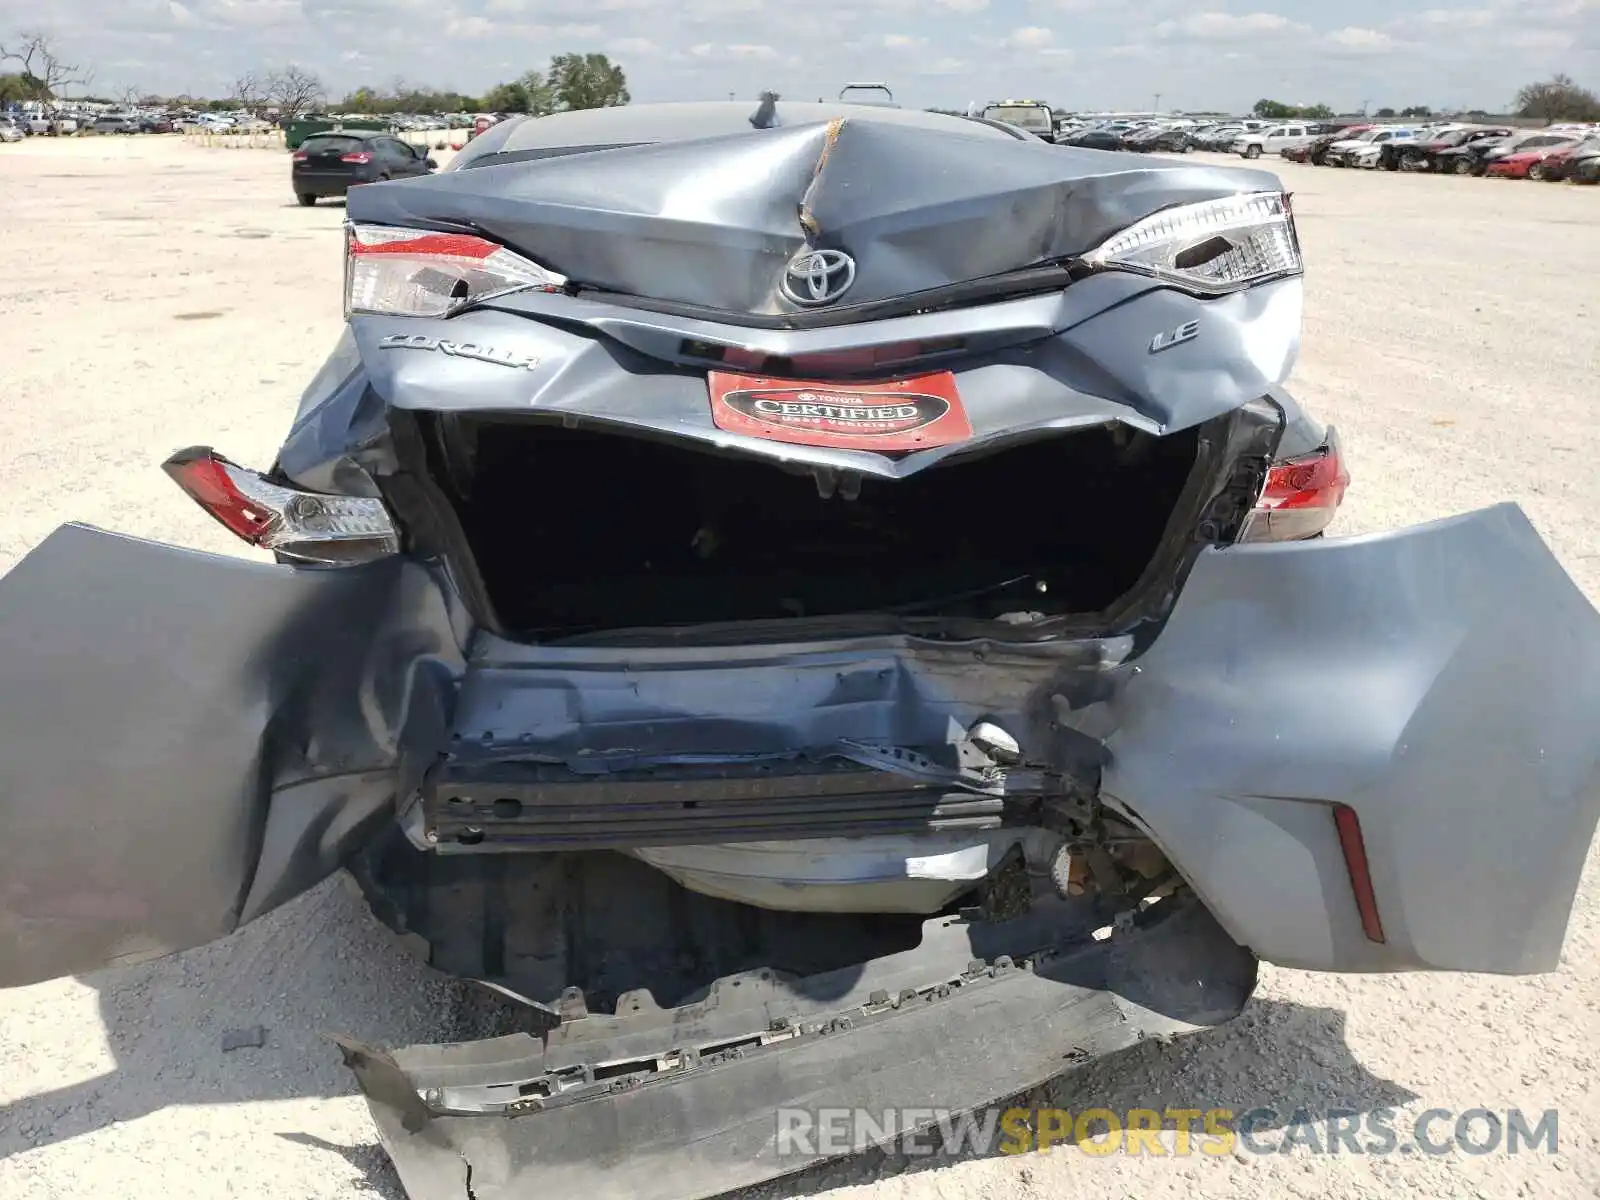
<point>1355,861</point>
<point>456,245</point>
<point>208,483</point>
<point>300,156</point>
<point>359,157</point>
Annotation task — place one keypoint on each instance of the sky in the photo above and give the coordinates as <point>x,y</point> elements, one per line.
<point>1077,54</point>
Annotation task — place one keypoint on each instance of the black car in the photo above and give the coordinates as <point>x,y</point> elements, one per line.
<point>1092,139</point>
<point>330,164</point>
<point>1429,155</point>
<point>1584,165</point>
<point>1159,141</point>
<point>1317,153</point>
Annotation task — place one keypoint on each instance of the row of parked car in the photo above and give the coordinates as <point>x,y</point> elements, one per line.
<point>14,126</point>
<point>1554,153</point>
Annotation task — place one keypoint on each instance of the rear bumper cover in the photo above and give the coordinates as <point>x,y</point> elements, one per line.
<point>977,1012</point>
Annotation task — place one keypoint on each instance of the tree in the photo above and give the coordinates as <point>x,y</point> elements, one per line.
<point>17,89</point>
<point>1384,113</point>
<point>293,90</point>
<point>1417,110</point>
<point>248,92</point>
<point>1272,110</point>
<point>530,94</point>
<point>1317,112</point>
<point>43,70</point>
<point>587,81</point>
<point>507,98</point>
<point>1558,99</point>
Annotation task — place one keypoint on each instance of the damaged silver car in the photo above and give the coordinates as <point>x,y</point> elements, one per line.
<point>828,612</point>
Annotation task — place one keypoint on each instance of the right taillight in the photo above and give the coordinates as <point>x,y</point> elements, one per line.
<point>359,156</point>
<point>307,526</point>
<point>1301,496</point>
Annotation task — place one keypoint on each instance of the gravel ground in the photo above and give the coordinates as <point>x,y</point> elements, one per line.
<point>158,295</point>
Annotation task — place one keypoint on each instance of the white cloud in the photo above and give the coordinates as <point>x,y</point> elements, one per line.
<point>903,41</point>
<point>469,27</point>
<point>748,50</point>
<point>965,6</point>
<point>1222,26</point>
<point>637,46</point>
<point>1474,18</point>
<point>1542,41</point>
<point>1365,41</point>
<point>1030,37</point>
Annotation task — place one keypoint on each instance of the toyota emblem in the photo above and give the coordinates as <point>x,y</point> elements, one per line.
<point>818,276</point>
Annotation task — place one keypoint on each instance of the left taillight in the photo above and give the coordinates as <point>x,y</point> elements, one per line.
<point>1301,496</point>
<point>359,156</point>
<point>300,156</point>
<point>417,273</point>
<point>306,526</point>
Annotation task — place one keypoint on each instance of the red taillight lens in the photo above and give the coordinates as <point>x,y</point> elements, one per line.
<point>1301,496</point>
<point>360,156</point>
<point>416,273</point>
<point>300,156</point>
<point>303,525</point>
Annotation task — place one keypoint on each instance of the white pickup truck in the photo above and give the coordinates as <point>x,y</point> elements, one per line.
<point>1253,144</point>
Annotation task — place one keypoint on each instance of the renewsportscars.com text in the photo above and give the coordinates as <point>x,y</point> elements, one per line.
<point>1171,1132</point>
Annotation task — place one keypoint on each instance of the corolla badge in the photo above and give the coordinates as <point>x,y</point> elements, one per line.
<point>818,276</point>
<point>473,350</point>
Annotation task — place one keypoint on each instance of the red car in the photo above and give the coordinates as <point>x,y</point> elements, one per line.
<point>1528,164</point>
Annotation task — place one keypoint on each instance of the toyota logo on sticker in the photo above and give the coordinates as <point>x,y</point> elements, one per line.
<point>857,413</point>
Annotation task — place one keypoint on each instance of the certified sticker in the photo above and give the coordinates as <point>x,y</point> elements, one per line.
<point>906,414</point>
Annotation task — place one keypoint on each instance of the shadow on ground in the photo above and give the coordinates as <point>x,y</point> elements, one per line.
<point>323,964</point>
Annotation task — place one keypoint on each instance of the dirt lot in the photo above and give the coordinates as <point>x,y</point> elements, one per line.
<point>157,295</point>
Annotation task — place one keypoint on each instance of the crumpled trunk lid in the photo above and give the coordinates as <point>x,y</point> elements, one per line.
<point>714,223</point>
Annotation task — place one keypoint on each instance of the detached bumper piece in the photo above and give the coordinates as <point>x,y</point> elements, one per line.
<point>678,1104</point>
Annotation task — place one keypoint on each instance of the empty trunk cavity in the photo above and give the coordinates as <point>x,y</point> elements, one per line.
<point>576,531</point>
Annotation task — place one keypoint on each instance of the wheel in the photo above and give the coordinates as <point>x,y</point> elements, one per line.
<point>306,201</point>
<point>1252,151</point>
<point>1462,166</point>
<point>1536,171</point>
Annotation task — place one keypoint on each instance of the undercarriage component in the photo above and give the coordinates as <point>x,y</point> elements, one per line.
<point>534,807</point>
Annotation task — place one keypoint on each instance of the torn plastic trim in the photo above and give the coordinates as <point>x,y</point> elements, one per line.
<point>978,1023</point>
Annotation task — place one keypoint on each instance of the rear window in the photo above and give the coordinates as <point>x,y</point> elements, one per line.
<point>323,143</point>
